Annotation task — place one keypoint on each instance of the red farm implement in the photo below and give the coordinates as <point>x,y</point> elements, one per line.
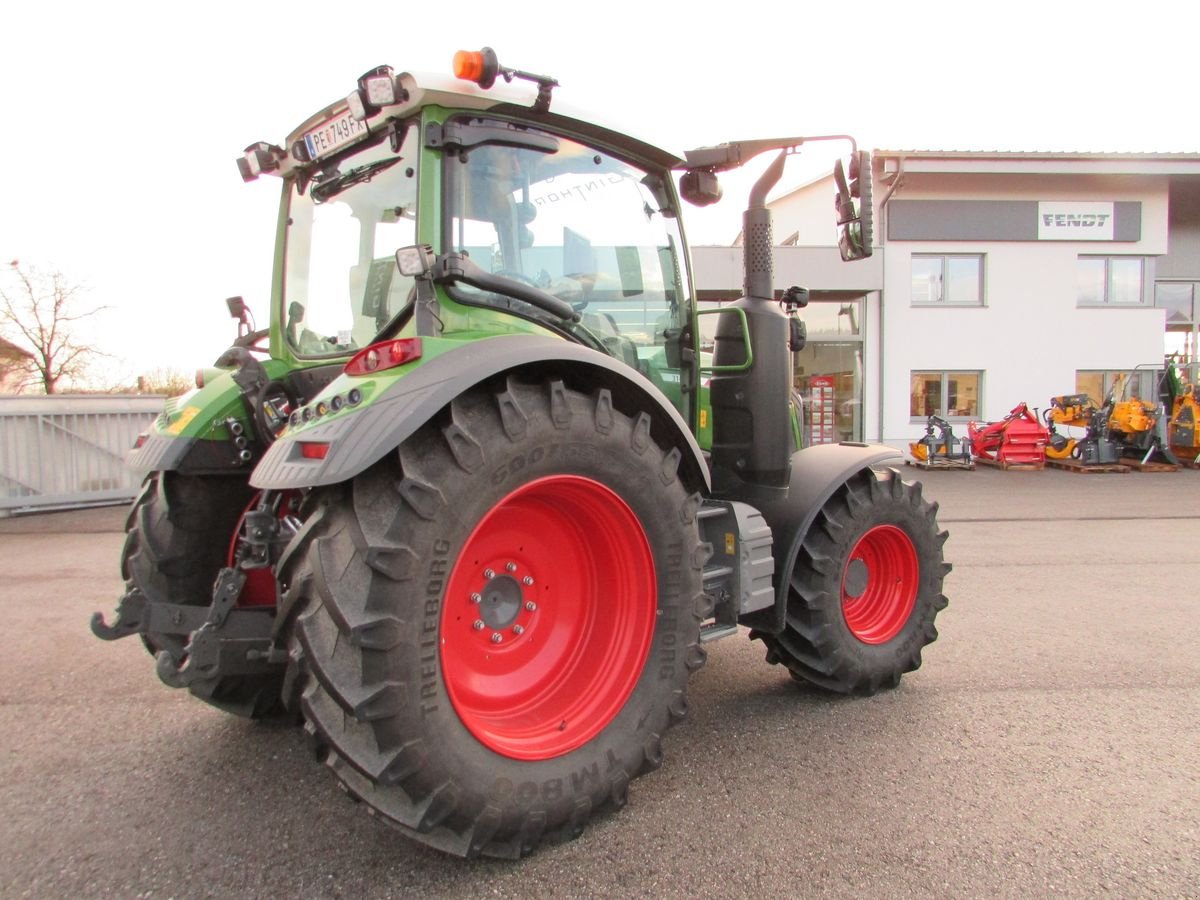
<point>1017,440</point>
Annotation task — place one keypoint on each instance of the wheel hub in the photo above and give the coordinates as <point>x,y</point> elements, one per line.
<point>857,578</point>
<point>500,602</point>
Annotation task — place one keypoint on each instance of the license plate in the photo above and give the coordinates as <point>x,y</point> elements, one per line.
<point>333,134</point>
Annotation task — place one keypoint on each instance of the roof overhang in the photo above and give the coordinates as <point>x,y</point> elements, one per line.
<point>1014,163</point>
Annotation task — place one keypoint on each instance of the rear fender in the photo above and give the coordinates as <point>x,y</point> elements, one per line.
<point>209,430</point>
<point>816,474</point>
<point>359,440</point>
<point>192,434</point>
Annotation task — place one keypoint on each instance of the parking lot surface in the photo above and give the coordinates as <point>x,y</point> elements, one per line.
<point>1048,746</point>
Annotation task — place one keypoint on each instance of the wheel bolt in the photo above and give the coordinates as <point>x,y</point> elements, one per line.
<point>477,598</point>
<point>489,574</point>
<point>530,605</point>
<point>496,637</point>
<point>477,625</point>
<point>518,629</point>
<point>527,580</point>
<point>510,567</point>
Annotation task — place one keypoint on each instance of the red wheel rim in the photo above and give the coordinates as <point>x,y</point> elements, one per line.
<point>548,617</point>
<point>879,584</point>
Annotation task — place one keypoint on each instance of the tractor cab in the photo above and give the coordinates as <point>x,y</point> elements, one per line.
<point>540,224</point>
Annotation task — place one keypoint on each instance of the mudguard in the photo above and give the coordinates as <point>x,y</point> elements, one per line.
<point>816,472</point>
<point>359,439</point>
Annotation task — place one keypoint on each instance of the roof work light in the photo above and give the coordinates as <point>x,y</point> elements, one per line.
<point>259,158</point>
<point>376,89</point>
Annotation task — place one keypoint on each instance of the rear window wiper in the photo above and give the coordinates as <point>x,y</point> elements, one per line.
<point>333,186</point>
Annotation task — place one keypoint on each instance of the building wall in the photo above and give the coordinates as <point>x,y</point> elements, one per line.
<point>1030,336</point>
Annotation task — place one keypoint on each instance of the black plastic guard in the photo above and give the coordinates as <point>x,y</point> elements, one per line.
<point>817,472</point>
<point>357,441</point>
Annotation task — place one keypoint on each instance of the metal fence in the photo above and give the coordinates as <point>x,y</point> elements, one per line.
<point>59,452</point>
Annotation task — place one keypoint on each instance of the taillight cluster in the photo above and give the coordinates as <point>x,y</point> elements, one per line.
<point>384,355</point>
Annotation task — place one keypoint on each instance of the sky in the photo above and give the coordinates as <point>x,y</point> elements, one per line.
<point>124,119</point>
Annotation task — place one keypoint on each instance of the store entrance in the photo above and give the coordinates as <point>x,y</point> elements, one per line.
<point>828,376</point>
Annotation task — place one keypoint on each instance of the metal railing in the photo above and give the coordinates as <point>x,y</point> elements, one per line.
<point>60,452</point>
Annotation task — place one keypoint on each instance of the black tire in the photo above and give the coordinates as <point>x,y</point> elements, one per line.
<point>381,585</point>
<point>865,589</point>
<point>177,538</point>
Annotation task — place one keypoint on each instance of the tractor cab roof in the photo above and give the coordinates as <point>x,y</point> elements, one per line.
<point>381,98</point>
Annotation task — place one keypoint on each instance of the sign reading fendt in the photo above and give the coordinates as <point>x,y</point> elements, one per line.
<point>475,502</point>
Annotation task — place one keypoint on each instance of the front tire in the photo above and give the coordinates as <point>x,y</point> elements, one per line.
<point>494,628</point>
<point>865,589</point>
<point>177,539</point>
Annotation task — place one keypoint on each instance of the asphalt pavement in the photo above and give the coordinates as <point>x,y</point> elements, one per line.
<point>1050,745</point>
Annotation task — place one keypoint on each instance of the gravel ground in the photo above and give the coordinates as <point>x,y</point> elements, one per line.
<point>1047,747</point>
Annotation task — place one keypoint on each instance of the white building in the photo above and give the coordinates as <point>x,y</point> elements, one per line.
<point>998,278</point>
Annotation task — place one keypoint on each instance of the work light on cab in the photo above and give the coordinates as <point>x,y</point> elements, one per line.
<point>258,159</point>
<point>384,355</point>
<point>376,89</point>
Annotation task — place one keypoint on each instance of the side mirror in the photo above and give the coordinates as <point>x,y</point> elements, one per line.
<point>237,310</point>
<point>699,187</point>
<point>853,206</point>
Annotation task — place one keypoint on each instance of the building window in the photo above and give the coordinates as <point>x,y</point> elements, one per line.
<point>945,394</point>
<point>1181,300</point>
<point>1110,280</point>
<point>1125,384</point>
<point>947,279</point>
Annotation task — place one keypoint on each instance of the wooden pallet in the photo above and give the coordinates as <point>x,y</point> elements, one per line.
<point>929,464</point>
<point>1010,466</point>
<point>1186,459</point>
<point>1150,466</point>
<point>1073,465</point>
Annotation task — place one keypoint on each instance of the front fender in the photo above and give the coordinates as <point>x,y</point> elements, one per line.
<point>816,473</point>
<point>358,439</point>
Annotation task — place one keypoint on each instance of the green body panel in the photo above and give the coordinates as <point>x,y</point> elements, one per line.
<point>704,425</point>
<point>201,412</point>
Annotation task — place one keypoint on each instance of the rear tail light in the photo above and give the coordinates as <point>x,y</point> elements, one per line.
<point>314,449</point>
<point>384,355</point>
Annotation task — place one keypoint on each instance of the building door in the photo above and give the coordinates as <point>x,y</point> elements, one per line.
<point>1181,300</point>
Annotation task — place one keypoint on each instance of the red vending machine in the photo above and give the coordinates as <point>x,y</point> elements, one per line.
<point>822,425</point>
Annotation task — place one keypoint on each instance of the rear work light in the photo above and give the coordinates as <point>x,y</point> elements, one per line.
<point>384,355</point>
<point>259,159</point>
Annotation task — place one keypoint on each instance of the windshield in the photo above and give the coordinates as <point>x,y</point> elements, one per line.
<point>341,284</point>
<point>580,224</point>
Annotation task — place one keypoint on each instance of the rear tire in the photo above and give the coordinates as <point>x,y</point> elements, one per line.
<point>177,539</point>
<point>493,631</point>
<point>865,589</point>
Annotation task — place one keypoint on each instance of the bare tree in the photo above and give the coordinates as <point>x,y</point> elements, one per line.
<point>38,313</point>
<point>171,382</point>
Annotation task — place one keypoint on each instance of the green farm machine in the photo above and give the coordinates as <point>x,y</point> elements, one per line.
<point>472,506</point>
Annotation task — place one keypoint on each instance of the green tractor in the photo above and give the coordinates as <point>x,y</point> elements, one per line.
<point>474,503</point>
